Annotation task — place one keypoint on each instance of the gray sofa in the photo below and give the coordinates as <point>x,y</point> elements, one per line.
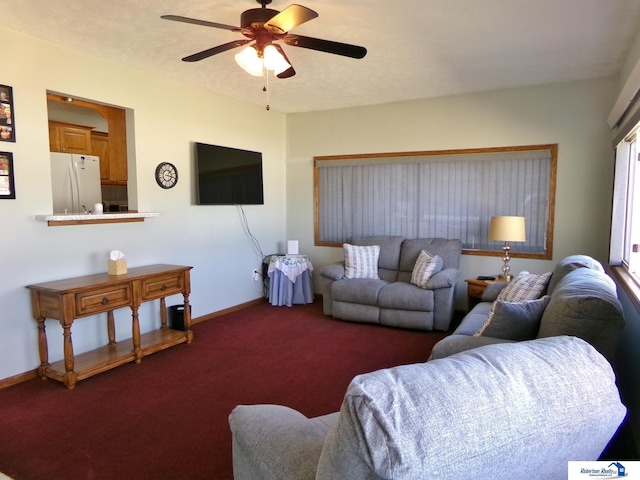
<point>582,302</point>
<point>392,300</point>
<point>510,411</point>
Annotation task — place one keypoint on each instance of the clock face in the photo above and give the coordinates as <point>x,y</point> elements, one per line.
<point>166,175</point>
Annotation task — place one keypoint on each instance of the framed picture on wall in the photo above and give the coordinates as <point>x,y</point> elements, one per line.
<point>7,115</point>
<point>7,185</point>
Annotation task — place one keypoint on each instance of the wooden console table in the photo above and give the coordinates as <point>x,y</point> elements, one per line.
<point>66,300</point>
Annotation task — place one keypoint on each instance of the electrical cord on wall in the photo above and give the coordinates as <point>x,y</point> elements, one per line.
<point>256,245</point>
<point>247,231</point>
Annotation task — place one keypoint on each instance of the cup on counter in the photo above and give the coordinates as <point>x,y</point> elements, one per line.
<point>98,208</point>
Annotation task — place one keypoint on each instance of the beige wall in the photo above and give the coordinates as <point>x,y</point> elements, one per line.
<point>573,115</point>
<point>168,116</point>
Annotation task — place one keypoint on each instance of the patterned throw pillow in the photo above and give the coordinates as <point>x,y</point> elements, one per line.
<point>526,286</point>
<point>426,266</point>
<point>361,261</point>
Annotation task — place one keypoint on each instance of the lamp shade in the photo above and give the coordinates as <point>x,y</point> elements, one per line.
<point>250,61</point>
<point>273,60</point>
<point>254,60</point>
<point>507,229</point>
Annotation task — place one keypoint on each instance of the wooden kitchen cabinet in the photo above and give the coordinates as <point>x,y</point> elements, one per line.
<point>111,148</point>
<point>69,138</point>
<point>117,147</point>
<point>100,147</point>
<point>113,170</point>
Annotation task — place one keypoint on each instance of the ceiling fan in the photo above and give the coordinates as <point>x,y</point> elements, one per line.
<point>265,26</point>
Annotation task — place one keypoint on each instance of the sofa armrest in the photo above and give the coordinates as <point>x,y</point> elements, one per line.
<point>333,272</point>
<point>443,279</point>
<point>492,291</point>
<point>460,343</point>
<point>273,442</point>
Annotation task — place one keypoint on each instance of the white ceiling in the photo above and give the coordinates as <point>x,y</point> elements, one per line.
<point>416,48</point>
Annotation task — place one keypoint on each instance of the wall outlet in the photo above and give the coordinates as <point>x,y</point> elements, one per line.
<point>256,275</point>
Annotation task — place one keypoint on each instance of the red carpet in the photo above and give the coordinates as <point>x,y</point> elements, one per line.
<point>166,418</point>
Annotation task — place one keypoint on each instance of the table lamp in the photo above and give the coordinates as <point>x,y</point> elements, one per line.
<point>506,229</point>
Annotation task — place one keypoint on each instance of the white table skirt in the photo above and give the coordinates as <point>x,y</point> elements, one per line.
<point>282,291</point>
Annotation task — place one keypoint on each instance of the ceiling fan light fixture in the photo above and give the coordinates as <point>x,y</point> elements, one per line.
<point>250,61</point>
<point>273,60</point>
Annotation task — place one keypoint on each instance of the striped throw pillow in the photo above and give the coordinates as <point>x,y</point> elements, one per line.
<point>361,261</point>
<point>526,286</point>
<point>426,266</point>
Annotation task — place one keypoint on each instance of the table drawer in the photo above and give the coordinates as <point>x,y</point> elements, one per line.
<point>162,286</point>
<point>475,290</point>
<point>103,300</point>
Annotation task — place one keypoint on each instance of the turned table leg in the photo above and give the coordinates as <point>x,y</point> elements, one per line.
<point>70,377</point>
<point>137,351</point>
<point>111,328</point>
<point>163,314</point>
<point>187,319</point>
<point>43,348</point>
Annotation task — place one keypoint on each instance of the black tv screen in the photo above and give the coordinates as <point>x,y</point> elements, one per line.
<point>228,176</point>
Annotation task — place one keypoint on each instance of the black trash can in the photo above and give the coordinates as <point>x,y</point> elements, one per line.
<point>175,318</point>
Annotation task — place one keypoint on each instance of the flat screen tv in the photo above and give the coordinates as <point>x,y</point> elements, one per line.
<point>228,176</point>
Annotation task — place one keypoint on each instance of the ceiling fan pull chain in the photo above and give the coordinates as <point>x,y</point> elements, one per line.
<point>266,88</point>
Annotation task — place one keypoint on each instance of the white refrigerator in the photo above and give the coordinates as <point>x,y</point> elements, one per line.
<point>75,180</point>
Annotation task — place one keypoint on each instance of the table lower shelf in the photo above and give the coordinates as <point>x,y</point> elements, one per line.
<point>108,357</point>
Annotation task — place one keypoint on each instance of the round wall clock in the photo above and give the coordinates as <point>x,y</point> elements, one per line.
<point>166,175</point>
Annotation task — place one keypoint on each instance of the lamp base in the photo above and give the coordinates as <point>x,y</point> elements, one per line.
<point>505,258</point>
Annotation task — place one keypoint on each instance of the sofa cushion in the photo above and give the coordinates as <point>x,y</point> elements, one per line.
<point>585,304</point>
<point>449,250</point>
<point>357,290</point>
<point>514,320</point>
<point>426,266</point>
<point>568,265</point>
<point>492,291</point>
<point>361,261</point>
<point>405,296</point>
<point>472,415</point>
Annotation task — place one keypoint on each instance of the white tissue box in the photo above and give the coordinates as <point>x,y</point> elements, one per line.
<point>117,267</point>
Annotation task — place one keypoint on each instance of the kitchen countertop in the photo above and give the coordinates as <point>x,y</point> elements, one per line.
<point>54,219</point>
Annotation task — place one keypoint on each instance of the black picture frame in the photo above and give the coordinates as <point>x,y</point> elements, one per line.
<point>7,115</point>
<point>7,183</point>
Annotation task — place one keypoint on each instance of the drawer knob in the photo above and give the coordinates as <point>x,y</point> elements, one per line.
<point>105,300</point>
<point>164,287</point>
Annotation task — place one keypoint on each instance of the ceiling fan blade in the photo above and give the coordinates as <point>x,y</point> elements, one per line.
<point>327,46</point>
<point>289,18</point>
<point>195,21</point>
<point>215,50</point>
<point>289,72</point>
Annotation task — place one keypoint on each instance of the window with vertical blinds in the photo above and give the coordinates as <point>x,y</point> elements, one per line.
<point>448,194</point>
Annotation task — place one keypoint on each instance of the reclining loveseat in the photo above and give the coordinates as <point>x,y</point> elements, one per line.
<point>389,295</point>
